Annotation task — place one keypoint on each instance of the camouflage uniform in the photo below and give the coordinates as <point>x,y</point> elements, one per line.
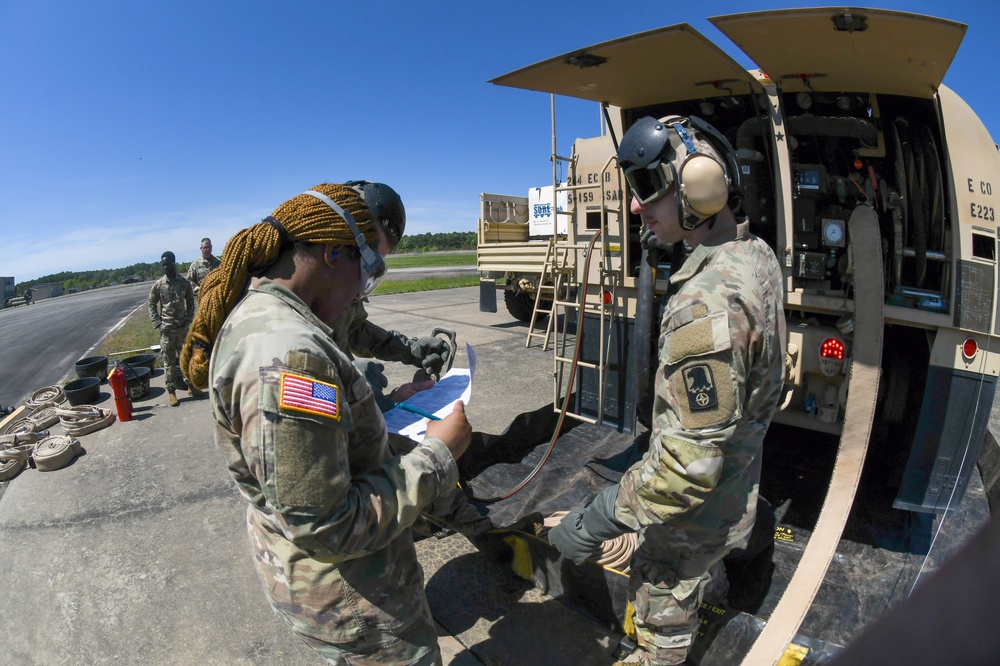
<point>171,306</point>
<point>329,504</point>
<point>198,269</point>
<point>357,336</point>
<point>354,334</point>
<point>693,496</point>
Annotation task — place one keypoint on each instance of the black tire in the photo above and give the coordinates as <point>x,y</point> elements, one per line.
<point>519,304</point>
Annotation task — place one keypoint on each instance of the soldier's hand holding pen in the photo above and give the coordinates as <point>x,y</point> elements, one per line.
<point>454,430</point>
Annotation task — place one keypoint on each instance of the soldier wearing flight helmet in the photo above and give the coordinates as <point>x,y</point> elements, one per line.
<point>357,336</point>
<point>693,495</point>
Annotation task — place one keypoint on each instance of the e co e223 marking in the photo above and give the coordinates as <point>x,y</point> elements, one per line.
<point>979,211</point>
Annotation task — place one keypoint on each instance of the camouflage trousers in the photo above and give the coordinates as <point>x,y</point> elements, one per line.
<point>416,647</point>
<point>669,579</point>
<point>363,611</point>
<point>171,342</point>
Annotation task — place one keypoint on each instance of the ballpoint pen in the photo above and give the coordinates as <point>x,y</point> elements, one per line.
<point>418,412</point>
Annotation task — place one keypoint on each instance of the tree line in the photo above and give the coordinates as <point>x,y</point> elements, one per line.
<point>82,280</point>
<point>106,277</point>
<point>455,240</point>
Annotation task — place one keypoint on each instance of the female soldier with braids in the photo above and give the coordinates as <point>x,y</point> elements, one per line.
<point>329,505</point>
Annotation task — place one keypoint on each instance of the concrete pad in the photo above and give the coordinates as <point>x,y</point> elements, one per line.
<point>137,551</point>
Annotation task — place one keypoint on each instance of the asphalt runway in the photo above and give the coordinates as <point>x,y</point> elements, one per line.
<point>41,342</point>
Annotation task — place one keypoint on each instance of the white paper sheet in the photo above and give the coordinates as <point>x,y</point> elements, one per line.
<point>438,400</point>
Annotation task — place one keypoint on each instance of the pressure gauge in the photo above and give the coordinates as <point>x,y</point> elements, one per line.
<point>804,100</point>
<point>833,233</point>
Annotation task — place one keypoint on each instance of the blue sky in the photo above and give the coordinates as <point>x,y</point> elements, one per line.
<point>129,127</point>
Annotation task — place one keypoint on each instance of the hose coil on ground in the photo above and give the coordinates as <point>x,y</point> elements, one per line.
<point>84,419</point>
<point>44,416</point>
<point>46,395</point>
<point>615,553</point>
<point>15,452</point>
<point>54,453</point>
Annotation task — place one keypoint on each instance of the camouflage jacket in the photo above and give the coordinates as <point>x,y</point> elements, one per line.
<point>329,504</point>
<point>171,302</point>
<point>199,268</point>
<point>718,384</point>
<point>357,336</point>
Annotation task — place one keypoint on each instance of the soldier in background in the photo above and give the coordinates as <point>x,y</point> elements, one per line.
<point>693,495</point>
<point>171,309</point>
<point>201,266</point>
<point>329,503</point>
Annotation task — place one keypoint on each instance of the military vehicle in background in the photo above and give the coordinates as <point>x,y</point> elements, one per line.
<point>874,184</point>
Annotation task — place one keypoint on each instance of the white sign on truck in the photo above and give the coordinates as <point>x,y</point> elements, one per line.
<point>541,217</point>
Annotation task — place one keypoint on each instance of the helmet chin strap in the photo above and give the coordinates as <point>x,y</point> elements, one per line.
<point>691,222</point>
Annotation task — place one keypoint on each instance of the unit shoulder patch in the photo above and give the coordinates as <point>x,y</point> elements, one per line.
<point>299,393</point>
<point>699,382</point>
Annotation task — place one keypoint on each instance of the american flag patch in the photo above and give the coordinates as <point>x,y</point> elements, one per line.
<point>302,394</point>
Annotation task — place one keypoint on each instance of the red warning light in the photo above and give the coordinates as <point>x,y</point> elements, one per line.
<point>969,348</point>
<point>833,349</point>
<point>606,297</point>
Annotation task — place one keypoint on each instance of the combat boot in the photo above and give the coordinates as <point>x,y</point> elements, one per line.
<point>173,398</point>
<point>195,391</point>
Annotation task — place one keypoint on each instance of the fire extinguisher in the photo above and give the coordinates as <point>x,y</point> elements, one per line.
<point>119,386</point>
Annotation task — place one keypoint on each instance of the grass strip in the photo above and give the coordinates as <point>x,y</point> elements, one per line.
<point>441,259</point>
<point>427,284</point>
<point>136,334</point>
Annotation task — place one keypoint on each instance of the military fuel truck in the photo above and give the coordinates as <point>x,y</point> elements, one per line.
<point>874,184</point>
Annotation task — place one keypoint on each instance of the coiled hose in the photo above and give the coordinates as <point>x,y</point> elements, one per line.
<point>615,553</point>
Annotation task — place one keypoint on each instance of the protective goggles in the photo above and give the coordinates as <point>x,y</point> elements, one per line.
<point>649,183</point>
<point>371,264</point>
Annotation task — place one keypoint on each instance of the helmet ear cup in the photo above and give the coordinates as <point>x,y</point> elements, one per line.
<point>702,186</point>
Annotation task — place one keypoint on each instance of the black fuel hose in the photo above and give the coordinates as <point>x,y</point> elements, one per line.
<point>643,367</point>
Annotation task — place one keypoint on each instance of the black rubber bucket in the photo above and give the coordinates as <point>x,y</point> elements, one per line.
<point>83,391</point>
<point>143,360</point>
<point>137,380</point>
<point>92,366</point>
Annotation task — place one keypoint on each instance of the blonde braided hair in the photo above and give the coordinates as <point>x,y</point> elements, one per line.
<point>252,250</point>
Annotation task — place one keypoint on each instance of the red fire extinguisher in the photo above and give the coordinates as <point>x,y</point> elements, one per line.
<point>120,388</point>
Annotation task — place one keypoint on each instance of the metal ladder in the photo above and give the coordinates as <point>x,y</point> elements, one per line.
<point>566,356</point>
<point>557,278</point>
<point>591,300</point>
<point>567,279</point>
